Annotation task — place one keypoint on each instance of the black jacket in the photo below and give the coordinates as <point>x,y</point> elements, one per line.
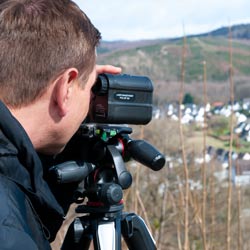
<point>30,216</point>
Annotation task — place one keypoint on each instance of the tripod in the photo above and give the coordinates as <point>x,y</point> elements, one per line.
<point>104,221</point>
<point>105,225</point>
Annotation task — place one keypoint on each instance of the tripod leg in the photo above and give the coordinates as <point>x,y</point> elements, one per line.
<point>107,237</point>
<point>105,234</point>
<point>136,233</point>
<point>77,237</point>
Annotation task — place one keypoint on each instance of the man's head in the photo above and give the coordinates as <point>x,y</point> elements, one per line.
<point>39,39</point>
<point>47,67</point>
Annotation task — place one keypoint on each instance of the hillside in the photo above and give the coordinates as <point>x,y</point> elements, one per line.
<point>161,61</point>
<point>241,31</point>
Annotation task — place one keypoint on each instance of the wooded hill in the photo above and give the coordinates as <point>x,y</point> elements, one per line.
<point>161,60</point>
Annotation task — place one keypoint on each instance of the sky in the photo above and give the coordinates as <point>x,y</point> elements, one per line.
<point>152,19</point>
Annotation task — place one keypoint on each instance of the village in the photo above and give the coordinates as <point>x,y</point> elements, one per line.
<point>195,114</point>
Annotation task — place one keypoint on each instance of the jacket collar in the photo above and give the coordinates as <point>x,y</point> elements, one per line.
<point>29,172</point>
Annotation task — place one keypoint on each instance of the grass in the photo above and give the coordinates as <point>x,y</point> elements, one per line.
<point>195,143</point>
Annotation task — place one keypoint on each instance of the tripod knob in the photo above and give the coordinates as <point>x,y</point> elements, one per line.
<point>111,193</point>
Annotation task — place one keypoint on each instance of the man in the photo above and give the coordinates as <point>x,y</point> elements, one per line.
<point>47,69</point>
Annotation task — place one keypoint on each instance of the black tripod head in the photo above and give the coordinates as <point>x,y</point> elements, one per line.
<point>95,158</point>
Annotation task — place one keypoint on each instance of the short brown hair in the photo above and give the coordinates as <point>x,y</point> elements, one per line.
<point>38,40</point>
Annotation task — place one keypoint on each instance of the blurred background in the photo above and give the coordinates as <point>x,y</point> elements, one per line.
<point>197,53</point>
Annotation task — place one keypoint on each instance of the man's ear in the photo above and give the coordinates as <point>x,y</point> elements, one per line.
<point>63,90</point>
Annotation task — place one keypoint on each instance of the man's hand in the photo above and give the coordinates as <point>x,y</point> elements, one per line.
<point>108,69</point>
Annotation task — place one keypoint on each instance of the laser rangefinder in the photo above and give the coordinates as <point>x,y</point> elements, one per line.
<point>121,99</point>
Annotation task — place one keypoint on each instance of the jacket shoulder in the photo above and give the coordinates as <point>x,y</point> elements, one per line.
<point>12,239</point>
<point>18,221</point>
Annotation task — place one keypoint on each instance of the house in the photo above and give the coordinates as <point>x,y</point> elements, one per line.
<point>246,104</point>
<point>226,111</point>
<point>243,130</point>
<point>211,151</point>
<point>220,152</point>
<point>156,113</point>
<point>187,118</point>
<point>246,136</point>
<point>246,157</point>
<point>235,106</point>
<point>241,172</point>
<point>240,117</point>
<point>240,127</point>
